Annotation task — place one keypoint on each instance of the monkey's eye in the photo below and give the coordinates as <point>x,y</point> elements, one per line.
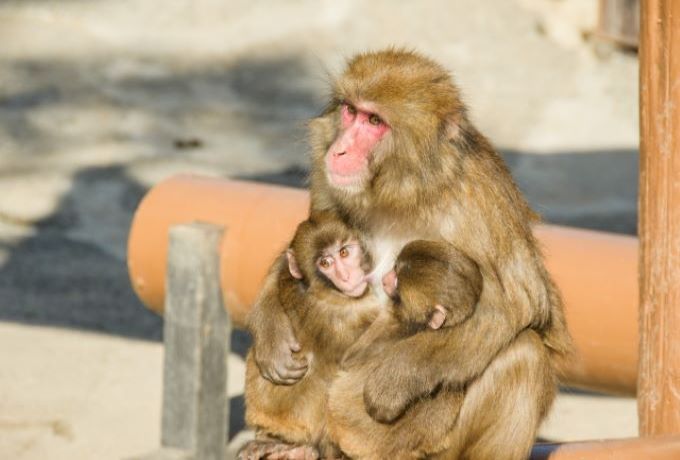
<point>349,250</point>
<point>375,120</point>
<point>325,262</point>
<point>351,109</point>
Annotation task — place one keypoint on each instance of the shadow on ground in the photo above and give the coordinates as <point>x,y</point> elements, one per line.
<point>596,190</point>
<point>54,279</point>
<point>72,272</point>
<point>543,451</point>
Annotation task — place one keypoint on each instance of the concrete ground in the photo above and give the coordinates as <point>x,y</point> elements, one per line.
<point>99,100</point>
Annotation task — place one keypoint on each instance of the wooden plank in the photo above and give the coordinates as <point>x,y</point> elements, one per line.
<point>659,226</point>
<point>650,448</point>
<point>196,336</point>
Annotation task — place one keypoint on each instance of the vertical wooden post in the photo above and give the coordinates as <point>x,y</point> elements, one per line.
<point>659,227</point>
<point>196,336</point>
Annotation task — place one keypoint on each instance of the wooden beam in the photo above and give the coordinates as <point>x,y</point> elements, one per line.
<point>650,448</point>
<point>196,335</point>
<point>659,226</point>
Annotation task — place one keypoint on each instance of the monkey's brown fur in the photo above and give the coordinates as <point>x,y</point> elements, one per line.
<point>429,273</point>
<point>434,176</point>
<point>326,323</point>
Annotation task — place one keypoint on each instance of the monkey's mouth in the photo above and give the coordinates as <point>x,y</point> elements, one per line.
<point>345,181</point>
<point>358,290</point>
<point>344,177</point>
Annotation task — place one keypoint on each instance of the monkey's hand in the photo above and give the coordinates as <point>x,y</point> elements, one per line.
<point>275,355</point>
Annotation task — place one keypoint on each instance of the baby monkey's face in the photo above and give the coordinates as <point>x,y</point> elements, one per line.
<point>342,263</point>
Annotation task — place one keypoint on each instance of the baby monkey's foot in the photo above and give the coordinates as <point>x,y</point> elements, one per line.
<point>276,450</point>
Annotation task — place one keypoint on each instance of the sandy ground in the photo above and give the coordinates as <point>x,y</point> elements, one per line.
<point>100,100</point>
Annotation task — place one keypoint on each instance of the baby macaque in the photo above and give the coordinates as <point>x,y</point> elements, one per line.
<point>323,288</point>
<point>432,286</point>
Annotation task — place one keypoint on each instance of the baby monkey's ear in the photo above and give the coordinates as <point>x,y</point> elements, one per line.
<point>293,266</point>
<point>438,317</point>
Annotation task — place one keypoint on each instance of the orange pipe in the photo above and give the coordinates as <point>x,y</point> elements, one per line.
<point>596,272</point>
<point>657,448</point>
<point>259,220</point>
<point>597,275</point>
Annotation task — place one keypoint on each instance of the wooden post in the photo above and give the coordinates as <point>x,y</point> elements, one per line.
<point>196,336</point>
<point>659,226</point>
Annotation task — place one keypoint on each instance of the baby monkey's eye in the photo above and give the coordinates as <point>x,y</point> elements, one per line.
<point>350,250</point>
<point>351,109</point>
<point>374,119</point>
<point>325,262</point>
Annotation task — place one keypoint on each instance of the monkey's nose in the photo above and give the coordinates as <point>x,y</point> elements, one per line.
<point>343,275</point>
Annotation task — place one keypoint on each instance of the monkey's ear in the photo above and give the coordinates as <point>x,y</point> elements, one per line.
<point>438,317</point>
<point>452,130</point>
<point>293,266</point>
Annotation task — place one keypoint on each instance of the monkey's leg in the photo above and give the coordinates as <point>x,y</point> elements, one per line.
<point>504,407</point>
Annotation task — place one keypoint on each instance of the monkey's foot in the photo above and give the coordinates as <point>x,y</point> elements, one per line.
<point>276,450</point>
<point>295,453</point>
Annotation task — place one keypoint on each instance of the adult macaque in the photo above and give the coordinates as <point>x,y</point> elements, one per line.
<point>433,286</point>
<point>395,156</point>
<point>324,292</point>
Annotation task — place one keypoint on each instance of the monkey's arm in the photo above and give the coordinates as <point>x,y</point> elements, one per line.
<point>274,341</point>
<point>369,343</point>
<point>417,365</point>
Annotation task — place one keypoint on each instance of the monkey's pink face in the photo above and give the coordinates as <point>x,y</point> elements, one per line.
<point>341,264</point>
<point>347,158</point>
